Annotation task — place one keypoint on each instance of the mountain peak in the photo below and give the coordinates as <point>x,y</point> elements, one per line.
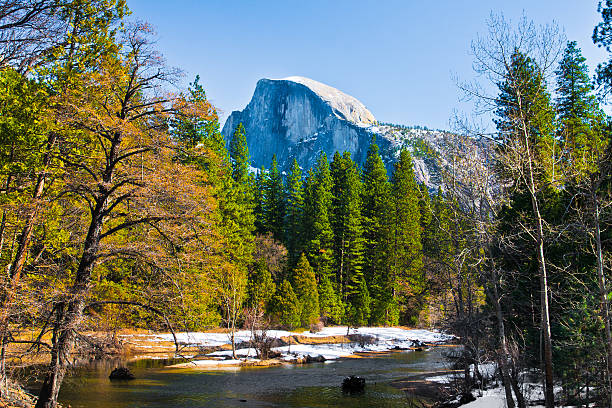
<point>344,106</point>
<point>299,118</point>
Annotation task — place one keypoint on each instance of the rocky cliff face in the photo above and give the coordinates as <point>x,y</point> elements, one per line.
<point>298,117</point>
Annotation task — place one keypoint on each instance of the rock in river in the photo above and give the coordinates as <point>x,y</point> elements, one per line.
<point>353,385</point>
<point>121,373</point>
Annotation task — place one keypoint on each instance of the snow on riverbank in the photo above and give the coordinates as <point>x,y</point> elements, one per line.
<point>493,398</point>
<point>391,336</point>
<point>376,339</point>
<point>388,335</point>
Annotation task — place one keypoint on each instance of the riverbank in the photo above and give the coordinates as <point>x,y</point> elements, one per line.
<point>212,350</point>
<point>17,397</point>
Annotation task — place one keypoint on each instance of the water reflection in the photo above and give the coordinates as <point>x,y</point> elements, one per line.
<point>313,385</point>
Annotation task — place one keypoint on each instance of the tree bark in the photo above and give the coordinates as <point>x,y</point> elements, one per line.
<point>501,332</point>
<point>603,292</point>
<point>68,319</point>
<point>71,314</point>
<point>549,396</point>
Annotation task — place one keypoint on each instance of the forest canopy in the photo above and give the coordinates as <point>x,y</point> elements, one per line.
<point>122,206</point>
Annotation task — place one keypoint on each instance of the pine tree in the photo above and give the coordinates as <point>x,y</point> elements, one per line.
<point>425,215</point>
<point>359,305</point>
<point>239,155</point>
<point>274,202</point>
<point>330,304</point>
<point>305,287</point>
<point>261,182</point>
<point>240,204</point>
<point>524,111</point>
<point>580,118</point>
<point>406,249</point>
<point>528,162</point>
<point>582,128</point>
<point>236,205</point>
<point>294,214</point>
<point>189,131</point>
<point>287,306</point>
<point>261,287</point>
<point>376,209</point>
<point>346,223</point>
<point>317,207</point>
<point>602,37</point>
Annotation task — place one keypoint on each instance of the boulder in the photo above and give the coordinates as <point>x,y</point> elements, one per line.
<point>318,359</point>
<point>353,385</point>
<point>121,373</point>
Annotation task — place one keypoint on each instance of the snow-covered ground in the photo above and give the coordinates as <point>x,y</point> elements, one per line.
<point>494,397</point>
<point>382,339</point>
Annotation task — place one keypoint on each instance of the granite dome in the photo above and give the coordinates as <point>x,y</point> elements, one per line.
<point>344,106</point>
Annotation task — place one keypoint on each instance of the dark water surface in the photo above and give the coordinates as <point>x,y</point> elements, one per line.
<point>312,385</point>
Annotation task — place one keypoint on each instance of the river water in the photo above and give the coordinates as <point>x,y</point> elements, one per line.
<point>311,385</point>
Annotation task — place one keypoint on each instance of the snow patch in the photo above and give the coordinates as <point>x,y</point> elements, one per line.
<point>383,339</point>
<point>344,106</point>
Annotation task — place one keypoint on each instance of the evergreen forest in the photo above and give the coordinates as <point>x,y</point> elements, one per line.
<point>123,207</point>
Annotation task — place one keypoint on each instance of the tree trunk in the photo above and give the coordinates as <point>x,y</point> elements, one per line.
<point>520,399</point>
<point>71,315</point>
<point>67,321</point>
<point>501,331</point>
<point>603,293</point>
<point>549,396</point>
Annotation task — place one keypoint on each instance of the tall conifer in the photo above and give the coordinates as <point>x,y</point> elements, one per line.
<point>294,214</point>
<point>287,306</point>
<point>317,206</point>
<point>274,202</point>
<point>346,223</point>
<point>305,287</point>
<point>261,182</point>
<point>407,275</point>
<point>376,209</point>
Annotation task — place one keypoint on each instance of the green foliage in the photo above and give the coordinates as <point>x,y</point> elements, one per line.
<point>602,37</point>
<point>261,287</point>
<point>294,214</point>
<point>192,129</point>
<point>347,223</point>
<point>287,306</point>
<point>274,202</point>
<point>523,99</point>
<point>406,254</point>
<point>425,213</point>
<point>261,181</point>
<point>317,209</point>
<point>305,286</point>
<point>25,123</point>
<point>330,304</point>
<point>581,121</point>
<point>358,313</point>
<point>238,202</point>
<point>376,197</point>
<point>239,155</point>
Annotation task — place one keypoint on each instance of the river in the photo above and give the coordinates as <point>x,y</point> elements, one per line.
<point>311,385</point>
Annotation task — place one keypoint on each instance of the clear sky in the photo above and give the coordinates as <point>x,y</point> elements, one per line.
<point>398,57</point>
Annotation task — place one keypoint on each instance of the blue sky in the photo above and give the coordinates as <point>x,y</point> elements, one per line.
<point>397,57</point>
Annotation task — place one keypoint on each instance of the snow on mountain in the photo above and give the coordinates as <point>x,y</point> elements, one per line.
<point>344,106</point>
